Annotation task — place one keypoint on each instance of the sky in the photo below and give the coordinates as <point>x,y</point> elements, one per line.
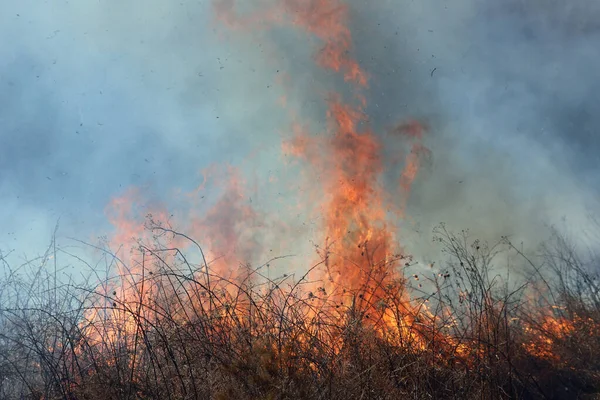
<point>99,96</point>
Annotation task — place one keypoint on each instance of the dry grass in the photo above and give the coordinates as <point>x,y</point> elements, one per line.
<point>173,330</point>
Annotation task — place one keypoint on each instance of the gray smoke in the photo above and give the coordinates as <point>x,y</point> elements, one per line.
<point>97,96</point>
<point>509,91</point>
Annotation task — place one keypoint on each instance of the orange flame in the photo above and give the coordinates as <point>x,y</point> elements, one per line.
<point>360,255</point>
<point>358,250</point>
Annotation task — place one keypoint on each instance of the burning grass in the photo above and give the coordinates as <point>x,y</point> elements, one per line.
<point>175,330</point>
<point>360,323</point>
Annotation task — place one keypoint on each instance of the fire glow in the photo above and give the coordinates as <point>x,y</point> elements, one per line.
<point>358,265</point>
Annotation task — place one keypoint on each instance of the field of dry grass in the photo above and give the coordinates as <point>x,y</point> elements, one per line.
<point>169,329</point>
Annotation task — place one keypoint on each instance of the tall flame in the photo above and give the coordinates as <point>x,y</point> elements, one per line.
<point>358,249</point>
<point>359,240</point>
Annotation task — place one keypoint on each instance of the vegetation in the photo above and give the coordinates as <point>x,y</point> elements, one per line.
<point>166,328</point>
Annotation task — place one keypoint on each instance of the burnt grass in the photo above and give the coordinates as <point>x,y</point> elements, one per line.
<point>165,328</point>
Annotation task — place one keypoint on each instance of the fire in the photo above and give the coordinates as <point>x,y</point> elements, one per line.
<point>359,253</point>
<point>328,20</point>
<point>357,274</point>
<point>190,307</point>
<point>358,239</point>
<point>544,336</point>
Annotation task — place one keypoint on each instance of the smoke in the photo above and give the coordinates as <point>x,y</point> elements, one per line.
<point>508,91</point>
<point>96,97</point>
